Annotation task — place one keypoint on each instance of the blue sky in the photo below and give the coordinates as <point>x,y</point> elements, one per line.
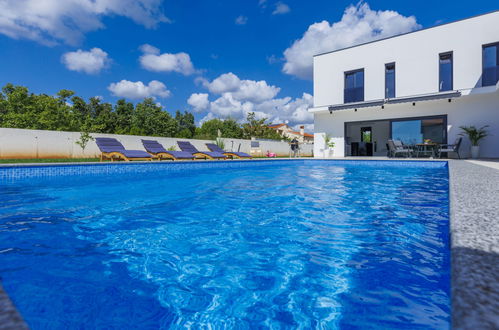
<point>218,58</point>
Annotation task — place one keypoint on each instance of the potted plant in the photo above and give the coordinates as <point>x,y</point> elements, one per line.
<point>328,146</point>
<point>474,135</point>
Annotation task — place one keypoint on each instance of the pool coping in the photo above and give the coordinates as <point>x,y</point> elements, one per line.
<point>474,231</point>
<point>9,316</point>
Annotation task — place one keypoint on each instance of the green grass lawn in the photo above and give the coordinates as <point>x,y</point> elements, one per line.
<point>70,160</point>
<point>48,160</point>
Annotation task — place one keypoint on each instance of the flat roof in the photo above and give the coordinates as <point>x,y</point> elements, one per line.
<point>403,34</point>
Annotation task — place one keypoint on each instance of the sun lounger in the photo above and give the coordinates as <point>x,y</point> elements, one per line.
<point>187,146</point>
<point>113,149</point>
<point>157,150</point>
<point>231,154</point>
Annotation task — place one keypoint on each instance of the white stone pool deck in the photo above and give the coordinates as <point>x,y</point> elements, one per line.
<point>474,230</point>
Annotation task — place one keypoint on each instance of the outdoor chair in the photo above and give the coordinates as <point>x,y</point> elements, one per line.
<point>113,149</point>
<point>231,154</point>
<point>157,150</point>
<point>398,148</point>
<point>188,147</point>
<point>450,148</point>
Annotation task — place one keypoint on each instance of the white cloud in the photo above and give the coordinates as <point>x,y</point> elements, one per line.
<point>281,8</point>
<point>227,82</point>
<point>149,49</point>
<point>242,90</point>
<point>138,90</point>
<point>241,20</point>
<point>199,101</point>
<point>237,97</point>
<point>152,60</point>
<point>52,21</point>
<point>359,24</point>
<point>90,62</point>
<point>255,91</point>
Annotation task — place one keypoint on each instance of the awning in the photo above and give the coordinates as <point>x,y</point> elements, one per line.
<point>382,102</point>
<point>424,97</point>
<point>356,105</point>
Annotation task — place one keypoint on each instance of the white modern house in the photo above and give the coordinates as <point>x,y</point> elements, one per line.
<point>411,87</point>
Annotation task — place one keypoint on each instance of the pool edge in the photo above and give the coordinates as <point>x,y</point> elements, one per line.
<point>474,231</point>
<point>9,316</point>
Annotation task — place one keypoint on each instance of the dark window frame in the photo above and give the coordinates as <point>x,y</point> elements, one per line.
<point>451,53</point>
<point>496,44</point>
<point>394,80</point>
<point>345,75</point>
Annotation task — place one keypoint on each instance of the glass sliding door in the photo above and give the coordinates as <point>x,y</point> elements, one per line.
<point>415,130</point>
<point>407,131</point>
<point>434,130</point>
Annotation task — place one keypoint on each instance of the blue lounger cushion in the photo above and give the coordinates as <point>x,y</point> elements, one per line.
<point>187,146</point>
<point>154,147</point>
<point>108,145</point>
<point>215,148</point>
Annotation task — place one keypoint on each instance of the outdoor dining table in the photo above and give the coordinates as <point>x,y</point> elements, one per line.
<point>426,148</point>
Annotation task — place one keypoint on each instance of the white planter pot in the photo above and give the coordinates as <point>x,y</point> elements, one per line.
<point>328,153</point>
<point>475,152</point>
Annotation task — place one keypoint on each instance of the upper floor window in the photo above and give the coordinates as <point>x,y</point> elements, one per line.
<point>490,74</point>
<point>354,86</point>
<point>389,80</point>
<point>445,72</point>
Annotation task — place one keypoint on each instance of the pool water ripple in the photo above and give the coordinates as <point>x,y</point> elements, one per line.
<point>292,246</point>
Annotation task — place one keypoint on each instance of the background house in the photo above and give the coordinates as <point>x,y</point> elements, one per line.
<point>289,133</point>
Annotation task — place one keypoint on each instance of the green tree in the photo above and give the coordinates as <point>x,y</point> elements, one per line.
<point>19,108</point>
<point>228,127</point>
<point>258,128</point>
<point>150,119</point>
<point>124,113</point>
<point>52,113</point>
<point>82,121</point>
<point>186,125</point>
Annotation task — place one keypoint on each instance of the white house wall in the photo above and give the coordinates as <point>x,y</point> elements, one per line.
<point>416,57</point>
<point>478,110</point>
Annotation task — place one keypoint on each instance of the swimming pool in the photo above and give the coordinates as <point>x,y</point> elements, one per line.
<point>278,244</point>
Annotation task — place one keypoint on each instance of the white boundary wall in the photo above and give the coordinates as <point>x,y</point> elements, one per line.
<point>24,143</point>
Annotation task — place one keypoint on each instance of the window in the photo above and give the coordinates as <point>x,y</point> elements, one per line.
<point>445,72</point>
<point>417,130</point>
<point>389,80</point>
<point>490,74</point>
<point>354,86</point>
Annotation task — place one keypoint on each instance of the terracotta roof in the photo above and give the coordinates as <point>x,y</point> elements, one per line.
<point>304,134</point>
<point>277,125</point>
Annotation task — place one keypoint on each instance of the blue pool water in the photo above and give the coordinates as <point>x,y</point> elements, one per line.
<point>287,245</point>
